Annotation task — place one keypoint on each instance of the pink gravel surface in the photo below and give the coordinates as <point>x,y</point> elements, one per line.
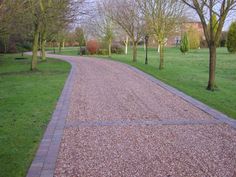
<point>174,151</point>
<point>109,91</point>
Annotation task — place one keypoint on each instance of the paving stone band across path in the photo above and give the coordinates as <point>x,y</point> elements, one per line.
<point>114,120</point>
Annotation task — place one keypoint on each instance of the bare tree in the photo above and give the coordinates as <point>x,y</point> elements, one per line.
<point>49,14</point>
<point>11,12</point>
<point>162,18</point>
<point>79,33</point>
<point>206,11</point>
<point>5,18</point>
<point>103,25</point>
<point>127,15</point>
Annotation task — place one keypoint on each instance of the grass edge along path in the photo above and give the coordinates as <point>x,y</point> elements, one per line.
<point>188,73</point>
<point>27,101</point>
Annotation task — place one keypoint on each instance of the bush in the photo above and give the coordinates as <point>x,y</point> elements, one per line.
<point>231,42</point>
<point>14,44</point>
<point>27,45</point>
<point>223,43</point>
<point>24,46</point>
<point>92,46</point>
<point>184,45</point>
<point>82,51</point>
<point>117,48</point>
<point>194,38</point>
<point>223,39</point>
<point>102,52</point>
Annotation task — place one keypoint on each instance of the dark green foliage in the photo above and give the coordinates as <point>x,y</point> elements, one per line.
<point>82,51</point>
<point>223,39</point>
<point>184,45</point>
<point>231,42</point>
<point>24,46</point>
<point>15,43</point>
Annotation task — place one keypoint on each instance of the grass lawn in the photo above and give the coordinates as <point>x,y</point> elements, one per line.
<point>27,101</point>
<point>189,73</point>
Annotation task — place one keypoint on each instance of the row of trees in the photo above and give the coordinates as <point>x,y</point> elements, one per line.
<point>48,20</point>
<point>162,18</point>
<point>37,21</point>
<point>133,19</point>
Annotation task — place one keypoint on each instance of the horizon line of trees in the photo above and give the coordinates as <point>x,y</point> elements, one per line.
<point>161,19</point>
<point>37,22</point>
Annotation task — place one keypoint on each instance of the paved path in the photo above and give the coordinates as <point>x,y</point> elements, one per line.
<point>113,120</point>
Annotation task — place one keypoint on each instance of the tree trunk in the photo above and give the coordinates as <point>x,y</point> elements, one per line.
<point>63,44</point>
<point>80,50</point>
<point>54,50</point>
<point>158,48</point>
<point>5,44</point>
<point>134,51</point>
<point>35,48</point>
<point>40,44</point>
<point>43,46</point>
<point>126,45</point>
<point>126,48</point>
<point>60,44</point>
<point>212,68</point>
<point>161,65</point>
<point>109,49</point>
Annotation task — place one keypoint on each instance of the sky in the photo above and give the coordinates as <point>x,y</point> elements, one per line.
<point>231,17</point>
<point>229,20</point>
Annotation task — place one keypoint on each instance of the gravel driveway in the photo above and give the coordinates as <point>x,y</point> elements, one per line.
<point>120,123</point>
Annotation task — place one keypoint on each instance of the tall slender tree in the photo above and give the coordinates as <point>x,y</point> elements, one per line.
<point>11,15</point>
<point>163,18</point>
<point>48,15</point>
<point>206,11</point>
<point>231,41</point>
<point>127,14</point>
<point>79,33</point>
<point>184,45</point>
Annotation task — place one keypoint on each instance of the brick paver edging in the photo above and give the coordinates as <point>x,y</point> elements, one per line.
<point>216,114</point>
<point>44,162</point>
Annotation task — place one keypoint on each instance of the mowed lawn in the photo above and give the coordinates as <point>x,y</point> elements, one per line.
<point>189,73</point>
<point>27,101</point>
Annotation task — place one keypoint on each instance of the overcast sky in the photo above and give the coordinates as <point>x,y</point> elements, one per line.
<point>229,20</point>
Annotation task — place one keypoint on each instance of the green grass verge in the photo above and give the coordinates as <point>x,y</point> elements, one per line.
<point>189,73</point>
<point>27,101</point>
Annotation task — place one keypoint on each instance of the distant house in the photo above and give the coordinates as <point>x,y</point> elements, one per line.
<point>175,39</point>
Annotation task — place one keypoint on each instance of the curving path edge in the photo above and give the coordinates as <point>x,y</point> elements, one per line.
<point>44,163</point>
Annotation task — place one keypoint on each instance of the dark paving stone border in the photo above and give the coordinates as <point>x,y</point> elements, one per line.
<point>125,122</point>
<point>214,113</point>
<point>44,162</point>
